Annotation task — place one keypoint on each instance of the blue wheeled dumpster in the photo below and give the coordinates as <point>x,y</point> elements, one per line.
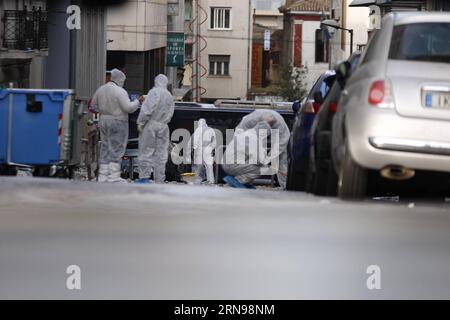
<point>4,111</point>
<point>37,127</point>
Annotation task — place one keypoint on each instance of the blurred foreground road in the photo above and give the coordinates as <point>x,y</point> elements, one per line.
<point>185,242</point>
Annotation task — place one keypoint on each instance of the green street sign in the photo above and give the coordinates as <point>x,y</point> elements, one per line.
<point>175,49</point>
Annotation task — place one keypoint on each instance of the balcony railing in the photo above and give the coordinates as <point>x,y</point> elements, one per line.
<point>25,29</point>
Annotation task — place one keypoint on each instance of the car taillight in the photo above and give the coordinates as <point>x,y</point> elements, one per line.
<point>376,93</point>
<point>316,107</point>
<point>332,107</point>
<point>309,108</point>
<point>380,94</point>
<point>312,107</point>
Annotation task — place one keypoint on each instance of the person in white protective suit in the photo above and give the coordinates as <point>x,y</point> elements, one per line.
<point>154,138</point>
<point>204,143</point>
<point>278,123</point>
<point>112,102</point>
<point>246,156</point>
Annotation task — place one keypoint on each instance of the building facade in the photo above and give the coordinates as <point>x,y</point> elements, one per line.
<point>387,6</point>
<point>136,36</point>
<point>364,16</point>
<point>268,5</point>
<point>267,45</point>
<point>76,57</point>
<point>304,43</point>
<point>23,42</point>
<point>38,50</point>
<point>379,8</point>
<point>219,39</point>
<point>267,42</point>
<point>351,18</point>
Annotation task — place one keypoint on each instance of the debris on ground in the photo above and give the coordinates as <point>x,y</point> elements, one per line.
<point>24,172</point>
<point>390,199</point>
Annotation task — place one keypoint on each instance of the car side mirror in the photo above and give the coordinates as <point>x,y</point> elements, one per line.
<point>343,71</point>
<point>296,106</point>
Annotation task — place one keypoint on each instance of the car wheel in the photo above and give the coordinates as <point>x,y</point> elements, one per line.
<point>319,183</point>
<point>324,180</point>
<point>295,180</point>
<point>309,180</point>
<point>332,185</point>
<point>352,179</point>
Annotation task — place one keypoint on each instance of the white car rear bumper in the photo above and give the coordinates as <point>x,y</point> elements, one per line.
<point>379,138</point>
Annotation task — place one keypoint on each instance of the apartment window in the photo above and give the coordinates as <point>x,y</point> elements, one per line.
<point>220,18</point>
<point>187,10</point>
<point>219,65</point>
<point>321,47</point>
<point>188,48</point>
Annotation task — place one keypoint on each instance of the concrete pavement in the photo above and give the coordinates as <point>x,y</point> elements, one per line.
<point>186,242</point>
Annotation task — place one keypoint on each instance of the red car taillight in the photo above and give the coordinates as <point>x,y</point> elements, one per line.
<point>332,107</point>
<point>376,93</point>
<point>380,94</point>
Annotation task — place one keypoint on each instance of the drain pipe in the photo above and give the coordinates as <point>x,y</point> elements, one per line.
<point>250,43</point>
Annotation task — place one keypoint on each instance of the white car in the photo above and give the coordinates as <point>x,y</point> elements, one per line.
<point>394,115</point>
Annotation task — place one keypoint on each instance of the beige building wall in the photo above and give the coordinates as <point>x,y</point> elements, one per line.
<point>315,69</point>
<point>358,20</point>
<point>350,18</point>
<point>137,25</point>
<point>236,43</point>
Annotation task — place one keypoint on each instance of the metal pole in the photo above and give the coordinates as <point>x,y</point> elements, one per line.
<point>199,56</point>
<point>330,54</point>
<point>250,48</point>
<point>195,53</point>
<point>351,41</point>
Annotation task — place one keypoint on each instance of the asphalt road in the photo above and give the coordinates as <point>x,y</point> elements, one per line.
<point>186,242</point>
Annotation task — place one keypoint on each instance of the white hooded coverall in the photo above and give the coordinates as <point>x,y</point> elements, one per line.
<point>204,144</point>
<point>156,112</point>
<point>251,120</point>
<point>246,154</point>
<point>114,105</point>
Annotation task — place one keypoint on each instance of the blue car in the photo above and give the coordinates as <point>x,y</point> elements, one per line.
<point>300,141</point>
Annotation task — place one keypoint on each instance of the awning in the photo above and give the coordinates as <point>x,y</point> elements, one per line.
<point>363,3</point>
<point>269,25</point>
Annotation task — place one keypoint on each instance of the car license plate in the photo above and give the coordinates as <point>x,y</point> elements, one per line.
<point>436,99</point>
